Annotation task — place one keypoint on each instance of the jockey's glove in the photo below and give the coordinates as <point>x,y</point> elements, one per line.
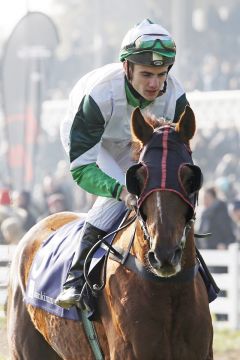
<point>130,200</point>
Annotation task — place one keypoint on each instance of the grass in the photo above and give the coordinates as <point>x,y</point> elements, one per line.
<point>226,343</point>
<point>2,323</point>
<point>226,340</point>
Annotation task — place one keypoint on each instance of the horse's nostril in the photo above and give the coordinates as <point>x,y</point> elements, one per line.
<point>176,256</point>
<point>165,258</point>
<point>152,258</point>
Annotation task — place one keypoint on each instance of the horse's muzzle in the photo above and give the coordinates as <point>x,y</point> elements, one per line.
<point>165,262</point>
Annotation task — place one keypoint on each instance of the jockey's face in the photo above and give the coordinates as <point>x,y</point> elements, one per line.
<point>148,80</point>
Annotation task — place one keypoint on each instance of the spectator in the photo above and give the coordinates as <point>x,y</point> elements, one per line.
<point>42,192</point>
<point>216,220</point>
<point>22,200</point>
<point>12,230</point>
<point>7,211</point>
<point>56,203</point>
<point>235,214</point>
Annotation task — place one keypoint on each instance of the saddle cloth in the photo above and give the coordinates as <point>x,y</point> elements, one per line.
<point>51,264</point>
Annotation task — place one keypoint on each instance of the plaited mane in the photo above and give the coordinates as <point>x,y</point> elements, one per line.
<point>155,123</point>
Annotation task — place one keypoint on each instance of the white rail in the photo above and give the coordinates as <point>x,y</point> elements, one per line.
<point>225,265</point>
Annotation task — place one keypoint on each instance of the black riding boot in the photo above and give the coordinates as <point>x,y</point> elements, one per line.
<point>72,287</point>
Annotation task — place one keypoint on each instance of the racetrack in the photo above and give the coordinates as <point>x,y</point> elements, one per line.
<point>226,344</point>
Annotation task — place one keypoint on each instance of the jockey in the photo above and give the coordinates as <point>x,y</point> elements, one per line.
<point>96,132</point>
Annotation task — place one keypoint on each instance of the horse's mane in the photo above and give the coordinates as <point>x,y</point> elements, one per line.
<point>155,122</point>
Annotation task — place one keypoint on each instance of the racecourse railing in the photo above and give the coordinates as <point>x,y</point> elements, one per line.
<point>225,268</point>
<point>224,265</point>
<point>6,254</point>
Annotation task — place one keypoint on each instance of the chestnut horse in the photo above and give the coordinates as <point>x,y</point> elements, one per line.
<point>158,312</point>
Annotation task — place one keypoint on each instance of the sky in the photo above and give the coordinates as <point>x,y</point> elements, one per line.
<point>11,12</point>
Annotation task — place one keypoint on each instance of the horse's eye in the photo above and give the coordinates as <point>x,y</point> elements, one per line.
<point>191,178</point>
<point>132,179</point>
<point>140,177</point>
<point>190,185</point>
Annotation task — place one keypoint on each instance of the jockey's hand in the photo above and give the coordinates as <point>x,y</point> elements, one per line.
<point>129,199</point>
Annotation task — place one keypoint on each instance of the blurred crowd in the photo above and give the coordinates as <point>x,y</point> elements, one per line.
<point>208,56</point>
<point>218,212</point>
<point>219,219</point>
<point>216,151</point>
<point>20,210</point>
<point>211,62</point>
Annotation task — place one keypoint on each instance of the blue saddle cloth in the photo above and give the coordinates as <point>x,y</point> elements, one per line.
<point>50,268</point>
<point>52,262</point>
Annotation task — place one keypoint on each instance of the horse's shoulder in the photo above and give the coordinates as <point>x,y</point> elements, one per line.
<point>123,236</point>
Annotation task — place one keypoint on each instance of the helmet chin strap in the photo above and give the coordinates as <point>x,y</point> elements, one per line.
<point>161,92</point>
<point>128,71</point>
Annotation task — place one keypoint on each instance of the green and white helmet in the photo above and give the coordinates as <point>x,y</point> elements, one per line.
<point>148,44</point>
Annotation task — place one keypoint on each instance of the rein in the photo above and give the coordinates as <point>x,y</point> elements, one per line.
<point>128,260</point>
<point>132,263</point>
<point>105,245</point>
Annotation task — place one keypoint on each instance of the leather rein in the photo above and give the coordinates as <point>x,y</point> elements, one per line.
<point>125,258</point>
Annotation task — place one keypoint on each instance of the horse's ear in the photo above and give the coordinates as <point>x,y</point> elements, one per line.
<point>186,126</point>
<point>140,129</point>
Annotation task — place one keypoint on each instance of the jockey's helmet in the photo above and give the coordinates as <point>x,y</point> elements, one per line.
<point>148,44</point>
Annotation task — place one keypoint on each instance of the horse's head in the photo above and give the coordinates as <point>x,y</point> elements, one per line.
<point>166,183</point>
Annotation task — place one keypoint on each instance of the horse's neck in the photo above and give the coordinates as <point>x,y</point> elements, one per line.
<point>140,245</point>
<point>132,234</point>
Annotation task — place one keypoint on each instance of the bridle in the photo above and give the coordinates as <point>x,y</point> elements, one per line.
<point>148,237</point>
<point>165,143</point>
<point>125,258</point>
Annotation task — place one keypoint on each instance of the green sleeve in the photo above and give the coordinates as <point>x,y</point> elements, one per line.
<point>87,128</point>
<point>95,181</point>
<point>180,107</point>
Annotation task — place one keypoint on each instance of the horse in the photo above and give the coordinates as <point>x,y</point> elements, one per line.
<point>157,310</point>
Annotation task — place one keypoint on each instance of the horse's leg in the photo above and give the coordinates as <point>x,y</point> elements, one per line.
<point>25,342</point>
<point>116,347</point>
<point>210,354</point>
